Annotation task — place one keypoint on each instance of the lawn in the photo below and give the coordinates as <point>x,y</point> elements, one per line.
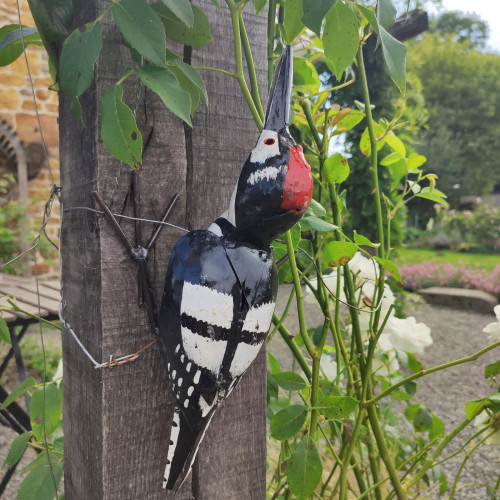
<point>419,255</point>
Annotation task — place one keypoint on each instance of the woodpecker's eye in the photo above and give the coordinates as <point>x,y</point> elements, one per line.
<point>269,142</point>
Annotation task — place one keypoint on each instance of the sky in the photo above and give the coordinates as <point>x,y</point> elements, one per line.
<point>488,10</point>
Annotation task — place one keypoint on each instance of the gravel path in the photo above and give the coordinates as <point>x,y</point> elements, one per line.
<point>456,334</point>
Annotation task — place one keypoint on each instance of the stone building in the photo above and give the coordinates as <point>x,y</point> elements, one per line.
<point>18,114</point>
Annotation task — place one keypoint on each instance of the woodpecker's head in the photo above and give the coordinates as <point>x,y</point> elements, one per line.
<point>275,186</point>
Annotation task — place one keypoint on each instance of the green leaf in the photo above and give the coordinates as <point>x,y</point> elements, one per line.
<point>340,37</point>
<point>11,42</point>
<point>437,428</point>
<point>259,5</point>
<point>396,144</point>
<point>290,381</point>
<point>473,408</point>
<point>52,17</point>
<point>386,13</point>
<point>4,332</point>
<point>191,81</point>
<point>443,484</point>
<point>413,364</point>
<point>370,17</point>
<point>415,160</point>
<point>311,222</point>
<point>349,121</point>
<point>182,10</point>
<point>295,233</point>
<point>359,239</point>
<point>335,169</point>
<point>119,131</point>
<point>142,28</point>
<point>23,387</point>
<point>434,195</point>
<point>398,171</point>
<point>365,144</point>
<point>288,422</point>
<point>305,76</point>
<point>316,209</point>
<point>45,423</point>
<point>17,449</point>
<point>198,36</point>
<point>78,56</point>
<point>339,253</point>
<point>304,468</point>
<point>389,266</point>
<point>390,159</point>
<point>422,419</point>
<point>292,23</point>
<point>39,483</point>
<point>395,58</point>
<point>315,12</point>
<point>273,363</point>
<point>492,370</point>
<point>336,407</point>
<point>164,83</point>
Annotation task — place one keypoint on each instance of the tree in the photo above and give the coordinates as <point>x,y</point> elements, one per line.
<point>465,27</point>
<point>462,93</point>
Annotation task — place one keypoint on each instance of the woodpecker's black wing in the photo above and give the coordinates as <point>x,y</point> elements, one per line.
<point>216,311</point>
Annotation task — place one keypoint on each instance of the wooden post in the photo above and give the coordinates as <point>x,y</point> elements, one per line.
<point>116,421</point>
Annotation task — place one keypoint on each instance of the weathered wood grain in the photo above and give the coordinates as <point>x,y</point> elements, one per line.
<point>117,421</point>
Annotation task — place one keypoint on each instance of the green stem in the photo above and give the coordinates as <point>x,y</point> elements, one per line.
<point>374,467</point>
<point>271,26</point>
<point>430,461</point>
<point>128,73</point>
<point>312,126</point>
<point>358,475</point>
<point>384,453</point>
<point>346,458</point>
<point>217,70</point>
<point>15,307</point>
<point>254,88</point>
<point>315,380</point>
<point>235,10</point>
<point>373,153</point>
<point>283,316</point>
<point>287,337</point>
<point>299,296</point>
<point>464,461</point>
<point>421,373</point>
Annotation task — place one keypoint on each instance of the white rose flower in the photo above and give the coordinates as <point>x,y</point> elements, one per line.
<point>330,280</point>
<point>407,335</point>
<point>363,267</point>
<point>493,329</point>
<point>328,366</point>
<point>385,363</point>
<point>484,419</point>
<point>367,292</point>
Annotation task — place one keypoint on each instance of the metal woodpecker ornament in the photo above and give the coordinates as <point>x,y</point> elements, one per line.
<point>220,287</point>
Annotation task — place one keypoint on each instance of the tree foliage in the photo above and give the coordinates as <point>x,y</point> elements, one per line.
<point>462,93</point>
<point>464,27</point>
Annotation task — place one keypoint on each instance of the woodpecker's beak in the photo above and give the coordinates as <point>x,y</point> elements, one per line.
<point>278,105</point>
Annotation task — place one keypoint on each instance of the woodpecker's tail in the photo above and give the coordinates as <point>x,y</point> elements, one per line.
<point>185,439</point>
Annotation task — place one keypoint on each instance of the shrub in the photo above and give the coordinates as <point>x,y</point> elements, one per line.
<point>467,230</point>
<point>426,274</point>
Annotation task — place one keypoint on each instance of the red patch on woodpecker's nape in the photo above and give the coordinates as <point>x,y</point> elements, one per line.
<point>297,192</point>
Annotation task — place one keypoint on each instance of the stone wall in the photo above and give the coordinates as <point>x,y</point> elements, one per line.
<point>17,108</point>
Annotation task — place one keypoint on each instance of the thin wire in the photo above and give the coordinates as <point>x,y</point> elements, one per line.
<point>99,212</point>
<point>46,217</point>
<point>112,360</point>
<point>34,98</point>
